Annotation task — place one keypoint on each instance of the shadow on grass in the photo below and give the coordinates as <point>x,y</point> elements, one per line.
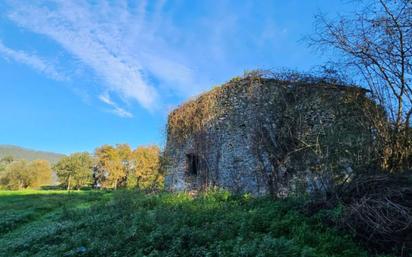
<point>18,208</point>
<point>128,223</point>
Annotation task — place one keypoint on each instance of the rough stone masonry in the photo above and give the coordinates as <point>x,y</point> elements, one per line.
<point>264,135</point>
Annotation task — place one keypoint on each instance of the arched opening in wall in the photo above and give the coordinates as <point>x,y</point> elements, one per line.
<point>192,164</point>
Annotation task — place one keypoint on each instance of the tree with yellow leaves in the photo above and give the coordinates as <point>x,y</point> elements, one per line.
<point>146,171</point>
<point>120,166</point>
<point>109,171</point>
<point>125,154</point>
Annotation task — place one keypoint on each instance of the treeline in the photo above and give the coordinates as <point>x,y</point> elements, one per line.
<point>21,174</point>
<point>110,167</point>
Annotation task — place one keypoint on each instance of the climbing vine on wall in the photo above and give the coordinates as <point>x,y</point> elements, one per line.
<point>298,124</point>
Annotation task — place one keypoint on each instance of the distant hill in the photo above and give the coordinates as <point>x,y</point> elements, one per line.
<point>28,154</point>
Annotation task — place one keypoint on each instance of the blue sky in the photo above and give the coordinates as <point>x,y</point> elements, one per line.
<point>78,74</point>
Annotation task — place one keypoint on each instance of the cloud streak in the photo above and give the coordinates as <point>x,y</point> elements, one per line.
<point>95,43</point>
<point>31,60</point>
<point>146,53</point>
<point>116,41</point>
<point>116,109</point>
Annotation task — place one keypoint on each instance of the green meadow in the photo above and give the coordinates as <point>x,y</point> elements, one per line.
<point>128,223</point>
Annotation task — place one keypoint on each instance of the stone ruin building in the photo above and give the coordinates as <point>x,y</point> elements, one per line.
<point>265,135</point>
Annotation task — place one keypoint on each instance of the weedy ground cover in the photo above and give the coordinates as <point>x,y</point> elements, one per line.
<point>128,223</point>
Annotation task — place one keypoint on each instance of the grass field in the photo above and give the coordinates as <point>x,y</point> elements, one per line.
<point>125,223</point>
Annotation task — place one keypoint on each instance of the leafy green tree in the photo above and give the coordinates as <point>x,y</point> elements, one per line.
<point>2,168</point>
<point>4,162</point>
<point>15,176</point>
<point>7,159</point>
<point>21,174</point>
<point>75,171</point>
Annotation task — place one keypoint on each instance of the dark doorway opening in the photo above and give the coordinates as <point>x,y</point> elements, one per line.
<point>192,164</point>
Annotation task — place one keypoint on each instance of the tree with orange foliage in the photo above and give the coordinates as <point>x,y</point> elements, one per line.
<point>109,171</point>
<point>146,171</point>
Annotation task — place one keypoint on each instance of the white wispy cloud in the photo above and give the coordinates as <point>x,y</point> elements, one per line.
<point>31,60</point>
<point>116,109</point>
<point>95,43</point>
<point>143,52</point>
<point>118,42</point>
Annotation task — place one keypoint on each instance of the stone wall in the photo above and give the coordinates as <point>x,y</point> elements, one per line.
<point>262,136</point>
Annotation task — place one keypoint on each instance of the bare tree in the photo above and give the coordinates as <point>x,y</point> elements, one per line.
<point>375,45</point>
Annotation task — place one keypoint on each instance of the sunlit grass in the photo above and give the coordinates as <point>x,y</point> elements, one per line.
<point>127,223</point>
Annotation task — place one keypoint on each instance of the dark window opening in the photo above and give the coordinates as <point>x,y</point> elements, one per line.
<point>192,164</point>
